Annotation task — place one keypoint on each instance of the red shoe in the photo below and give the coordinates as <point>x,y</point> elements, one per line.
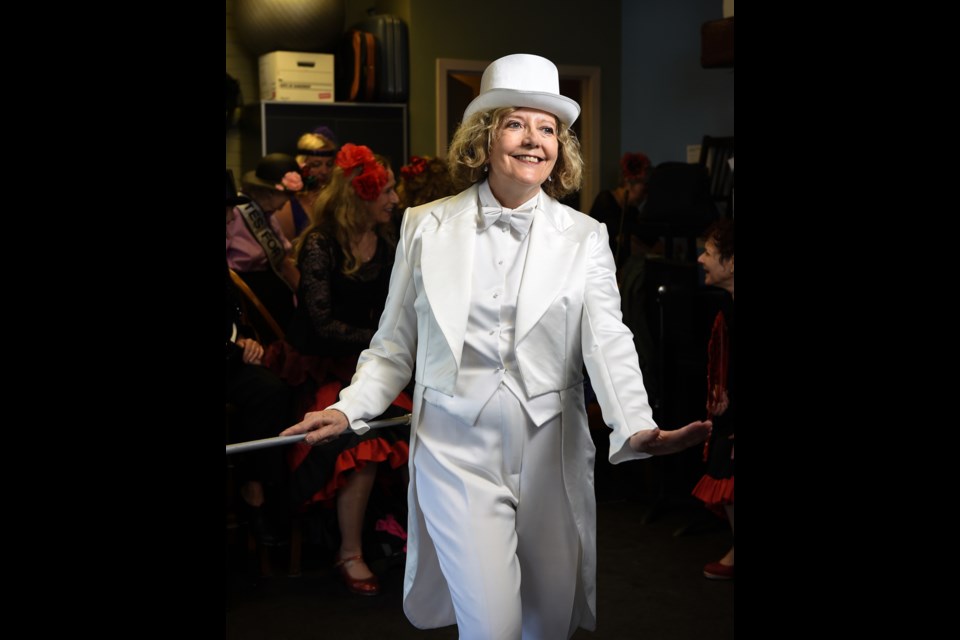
<point>717,571</point>
<point>365,587</point>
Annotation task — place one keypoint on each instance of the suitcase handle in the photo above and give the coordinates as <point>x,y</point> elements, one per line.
<point>371,73</point>
<point>357,68</point>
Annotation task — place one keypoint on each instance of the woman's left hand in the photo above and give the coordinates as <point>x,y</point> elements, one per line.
<point>658,443</point>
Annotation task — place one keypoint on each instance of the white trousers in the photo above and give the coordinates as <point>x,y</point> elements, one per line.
<point>493,500</point>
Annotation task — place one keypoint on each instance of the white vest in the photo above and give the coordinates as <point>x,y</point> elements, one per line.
<point>489,358</point>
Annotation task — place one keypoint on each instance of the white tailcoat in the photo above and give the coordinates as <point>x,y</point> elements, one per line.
<point>568,316</point>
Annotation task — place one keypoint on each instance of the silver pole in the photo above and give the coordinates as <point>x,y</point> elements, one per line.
<point>282,440</point>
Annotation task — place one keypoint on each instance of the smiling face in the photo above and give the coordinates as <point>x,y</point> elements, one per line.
<point>381,209</point>
<point>319,168</point>
<point>522,155</point>
<point>718,272</point>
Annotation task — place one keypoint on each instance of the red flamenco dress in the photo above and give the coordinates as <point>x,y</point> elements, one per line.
<point>715,488</point>
<point>336,317</point>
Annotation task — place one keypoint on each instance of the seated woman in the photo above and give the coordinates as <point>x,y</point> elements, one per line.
<point>345,259</point>
<point>424,180</point>
<point>263,404</point>
<point>256,247</point>
<point>315,153</point>
<point>619,208</point>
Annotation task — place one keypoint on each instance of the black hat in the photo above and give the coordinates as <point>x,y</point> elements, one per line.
<point>273,172</point>
<point>233,199</point>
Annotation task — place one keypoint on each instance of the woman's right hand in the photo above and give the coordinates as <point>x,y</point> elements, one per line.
<point>252,351</point>
<point>321,427</point>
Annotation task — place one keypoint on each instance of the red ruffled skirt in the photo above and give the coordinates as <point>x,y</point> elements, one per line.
<point>715,493</point>
<point>319,472</point>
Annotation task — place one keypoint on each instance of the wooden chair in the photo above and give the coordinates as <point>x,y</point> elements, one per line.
<point>256,313</point>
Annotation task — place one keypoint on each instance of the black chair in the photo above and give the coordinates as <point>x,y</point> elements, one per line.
<point>715,154</point>
<point>679,205</point>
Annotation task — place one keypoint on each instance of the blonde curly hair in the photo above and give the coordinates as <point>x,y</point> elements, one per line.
<point>470,153</point>
<point>315,142</point>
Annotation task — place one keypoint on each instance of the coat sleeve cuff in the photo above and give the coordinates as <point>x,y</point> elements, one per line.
<point>359,427</point>
<point>626,452</point>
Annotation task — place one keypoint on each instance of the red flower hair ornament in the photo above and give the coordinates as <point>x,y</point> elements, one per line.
<point>635,166</point>
<point>417,166</point>
<point>372,177</point>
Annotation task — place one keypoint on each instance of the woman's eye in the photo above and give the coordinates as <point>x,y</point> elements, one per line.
<point>547,130</point>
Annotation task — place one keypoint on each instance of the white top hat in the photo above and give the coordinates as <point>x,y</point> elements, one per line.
<point>523,80</point>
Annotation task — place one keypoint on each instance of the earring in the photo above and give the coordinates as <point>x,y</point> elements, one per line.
<point>486,168</point>
<point>549,178</point>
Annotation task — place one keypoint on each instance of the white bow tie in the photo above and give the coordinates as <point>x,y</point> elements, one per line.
<point>519,219</point>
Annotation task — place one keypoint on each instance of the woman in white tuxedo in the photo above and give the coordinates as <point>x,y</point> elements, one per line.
<point>498,298</point>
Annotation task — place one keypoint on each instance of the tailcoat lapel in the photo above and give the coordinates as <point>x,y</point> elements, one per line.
<point>548,263</point>
<point>446,264</point>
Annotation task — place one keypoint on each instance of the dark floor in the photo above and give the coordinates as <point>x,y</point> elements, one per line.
<point>649,585</point>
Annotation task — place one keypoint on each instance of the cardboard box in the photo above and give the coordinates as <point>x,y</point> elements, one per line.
<point>296,76</point>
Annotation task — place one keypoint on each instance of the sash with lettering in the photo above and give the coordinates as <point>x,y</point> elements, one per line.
<point>257,223</point>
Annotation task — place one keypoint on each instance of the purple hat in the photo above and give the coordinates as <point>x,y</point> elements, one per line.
<point>328,133</point>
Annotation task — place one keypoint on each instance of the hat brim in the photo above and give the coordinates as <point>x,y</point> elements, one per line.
<point>566,110</point>
<point>250,177</point>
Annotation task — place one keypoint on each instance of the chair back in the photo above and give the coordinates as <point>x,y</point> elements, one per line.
<point>257,314</point>
<point>715,154</point>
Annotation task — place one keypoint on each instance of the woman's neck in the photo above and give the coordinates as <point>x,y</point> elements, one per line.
<point>364,246</point>
<point>511,195</point>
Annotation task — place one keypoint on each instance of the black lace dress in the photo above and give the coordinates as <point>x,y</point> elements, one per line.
<point>335,319</point>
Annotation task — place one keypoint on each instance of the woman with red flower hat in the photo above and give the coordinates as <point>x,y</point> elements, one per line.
<point>344,257</point>
<point>619,208</point>
<point>424,180</point>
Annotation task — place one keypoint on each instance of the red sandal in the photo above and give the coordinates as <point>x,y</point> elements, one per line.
<point>365,587</point>
<point>717,571</point>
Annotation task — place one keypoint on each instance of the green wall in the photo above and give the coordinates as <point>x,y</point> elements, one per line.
<point>565,31</point>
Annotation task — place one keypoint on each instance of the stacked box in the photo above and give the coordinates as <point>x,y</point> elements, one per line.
<point>296,76</point>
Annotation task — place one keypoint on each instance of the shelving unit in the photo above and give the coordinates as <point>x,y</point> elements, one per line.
<point>275,126</point>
